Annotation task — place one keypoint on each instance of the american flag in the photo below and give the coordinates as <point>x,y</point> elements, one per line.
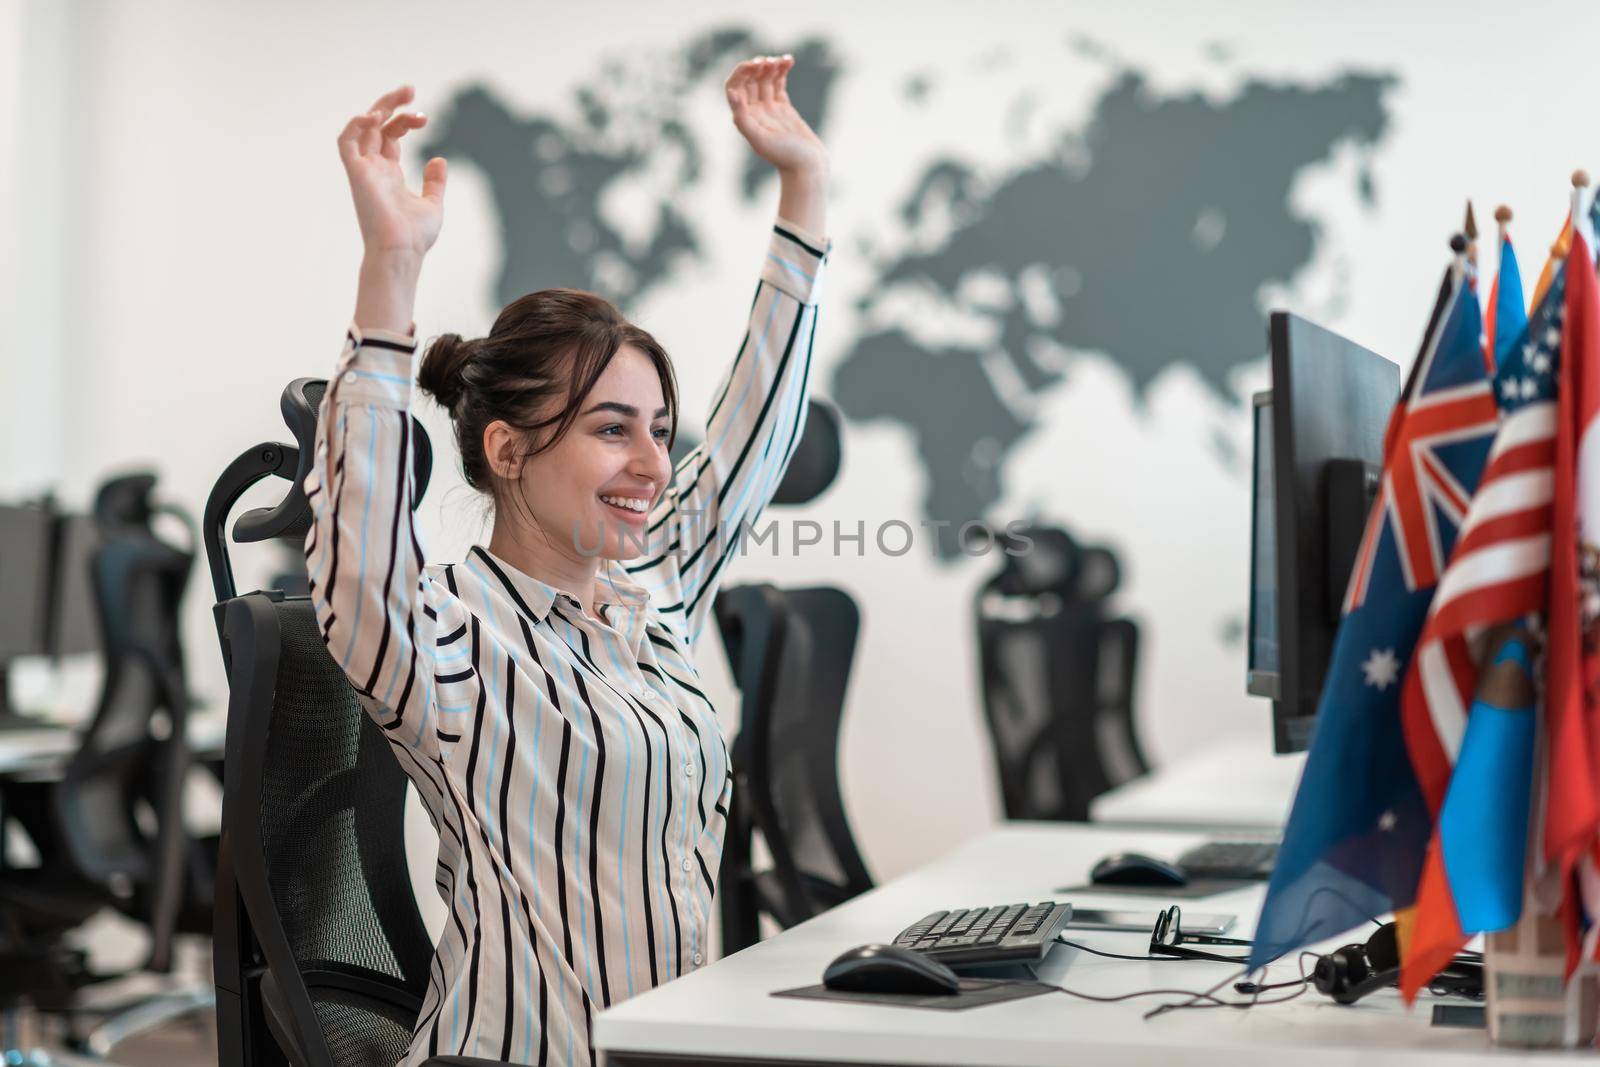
<point>1499,568</point>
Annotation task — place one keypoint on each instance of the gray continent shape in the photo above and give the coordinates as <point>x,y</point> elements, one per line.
<point>547,177</point>
<point>1156,230</point>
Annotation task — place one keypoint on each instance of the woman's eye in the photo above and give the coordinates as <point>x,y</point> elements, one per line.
<point>614,429</point>
<point>662,433</point>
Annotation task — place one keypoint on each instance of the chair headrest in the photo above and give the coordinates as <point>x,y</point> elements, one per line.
<point>1047,559</point>
<point>816,459</point>
<point>125,500</point>
<point>290,518</point>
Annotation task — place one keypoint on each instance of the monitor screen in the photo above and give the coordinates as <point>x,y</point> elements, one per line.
<point>1263,636</point>
<point>26,532</point>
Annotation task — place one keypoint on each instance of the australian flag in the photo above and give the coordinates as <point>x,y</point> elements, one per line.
<point>1359,828</point>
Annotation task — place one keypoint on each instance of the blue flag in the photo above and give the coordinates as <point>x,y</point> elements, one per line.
<point>1508,311</point>
<point>1356,836</point>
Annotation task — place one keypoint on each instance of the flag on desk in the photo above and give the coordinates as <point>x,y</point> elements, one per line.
<point>1470,738</point>
<point>1572,787</point>
<point>1354,842</point>
<point>1507,317</point>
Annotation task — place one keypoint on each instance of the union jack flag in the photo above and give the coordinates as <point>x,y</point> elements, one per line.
<point>1499,569</point>
<point>1430,449</point>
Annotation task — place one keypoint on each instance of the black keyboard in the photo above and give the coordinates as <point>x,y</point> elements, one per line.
<point>1252,860</point>
<point>1002,933</point>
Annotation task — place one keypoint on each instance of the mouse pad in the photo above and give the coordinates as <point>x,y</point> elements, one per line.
<point>974,993</point>
<point>1200,887</point>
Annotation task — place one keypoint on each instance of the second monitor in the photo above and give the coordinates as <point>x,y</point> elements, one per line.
<point>1318,460</point>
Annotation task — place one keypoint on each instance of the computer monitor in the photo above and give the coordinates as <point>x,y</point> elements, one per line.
<point>27,547</point>
<point>27,541</point>
<point>1317,464</point>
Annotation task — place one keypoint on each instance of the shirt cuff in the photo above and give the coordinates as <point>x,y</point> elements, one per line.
<point>794,262</point>
<point>375,368</point>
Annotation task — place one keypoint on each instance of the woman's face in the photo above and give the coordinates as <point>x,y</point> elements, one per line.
<point>592,491</point>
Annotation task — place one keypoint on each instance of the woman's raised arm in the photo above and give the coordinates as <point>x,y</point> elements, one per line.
<point>363,554</point>
<point>758,411</point>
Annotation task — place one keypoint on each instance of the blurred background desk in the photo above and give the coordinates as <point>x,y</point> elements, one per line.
<point>725,1013</point>
<point>1235,784</point>
<point>42,753</point>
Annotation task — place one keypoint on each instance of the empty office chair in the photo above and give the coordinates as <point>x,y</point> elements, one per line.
<point>791,651</point>
<point>321,958</point>
<point>109,829</point>
<point>1057,674</point>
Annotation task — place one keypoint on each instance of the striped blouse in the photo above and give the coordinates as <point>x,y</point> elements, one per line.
<point>572,766</point>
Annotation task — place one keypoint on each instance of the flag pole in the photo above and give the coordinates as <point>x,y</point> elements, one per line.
<point>1469,230</point>
<point>1580,183</point>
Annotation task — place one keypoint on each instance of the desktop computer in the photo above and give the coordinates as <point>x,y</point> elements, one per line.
<point>1317,462</point>
<point>27,545</point>
<point>45,582</point>
<point>1318,459</point>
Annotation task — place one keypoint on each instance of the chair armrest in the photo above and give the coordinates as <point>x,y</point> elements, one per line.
<point>461,1061</point>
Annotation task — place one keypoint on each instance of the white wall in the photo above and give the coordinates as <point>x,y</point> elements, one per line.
<point>207,255</point>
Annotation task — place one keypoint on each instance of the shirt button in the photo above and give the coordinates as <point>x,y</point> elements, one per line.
<point>686,865</point>
<point>349,377</point>
<point>688,769</point>
<point>698,959</point>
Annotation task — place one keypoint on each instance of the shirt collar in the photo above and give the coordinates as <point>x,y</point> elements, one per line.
<point>531,596</point>
<point>535,598</point>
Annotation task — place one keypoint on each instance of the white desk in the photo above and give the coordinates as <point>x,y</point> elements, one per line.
<point>45,751</point>
<point>1235,783</point>
<point>724,1011</point>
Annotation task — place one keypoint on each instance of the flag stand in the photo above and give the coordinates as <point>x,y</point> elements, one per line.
<point>1531,1003</point>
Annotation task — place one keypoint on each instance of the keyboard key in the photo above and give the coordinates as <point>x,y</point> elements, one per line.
<point>986,920</point>
<point>957,942</point>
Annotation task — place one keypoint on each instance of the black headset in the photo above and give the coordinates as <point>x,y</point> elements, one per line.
<point>1350,973</point>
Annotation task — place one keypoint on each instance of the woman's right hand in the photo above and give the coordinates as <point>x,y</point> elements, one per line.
<point>396,224</point>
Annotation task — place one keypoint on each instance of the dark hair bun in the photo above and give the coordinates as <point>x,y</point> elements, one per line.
<point>441,374</point>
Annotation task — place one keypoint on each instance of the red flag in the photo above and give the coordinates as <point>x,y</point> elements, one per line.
<point>1572,801</point>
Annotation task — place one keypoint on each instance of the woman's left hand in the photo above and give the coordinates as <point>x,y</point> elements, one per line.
<point>759,99</point>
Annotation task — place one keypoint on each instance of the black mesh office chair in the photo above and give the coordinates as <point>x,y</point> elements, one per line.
<point>1057,675</point>
<point>791,651</point>
<point>321,957</point>
<point>109,829</point>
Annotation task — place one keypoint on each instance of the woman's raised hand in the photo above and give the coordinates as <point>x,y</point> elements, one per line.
<point>395,222</point>
<point>758,97</point>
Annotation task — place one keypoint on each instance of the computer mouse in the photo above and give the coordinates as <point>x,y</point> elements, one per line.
<point>1135,868</point>
<point>889,969</point>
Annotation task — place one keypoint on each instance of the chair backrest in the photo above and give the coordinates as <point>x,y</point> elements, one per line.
<point>319,941</point>
<point>119,805</point>
<point>321,957</point>
<point>1057,677</point>
<point>791,652</point>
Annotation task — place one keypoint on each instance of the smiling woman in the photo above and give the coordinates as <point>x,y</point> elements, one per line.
<point>540,693</point>
<point>563,402</point>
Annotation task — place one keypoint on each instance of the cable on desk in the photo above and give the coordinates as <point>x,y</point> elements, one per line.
<point>1206,999</point>
<point>1119,956</point>
<point>1209,1000</point>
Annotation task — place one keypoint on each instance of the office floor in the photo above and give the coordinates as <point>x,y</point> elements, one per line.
<point>186,1043</point>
